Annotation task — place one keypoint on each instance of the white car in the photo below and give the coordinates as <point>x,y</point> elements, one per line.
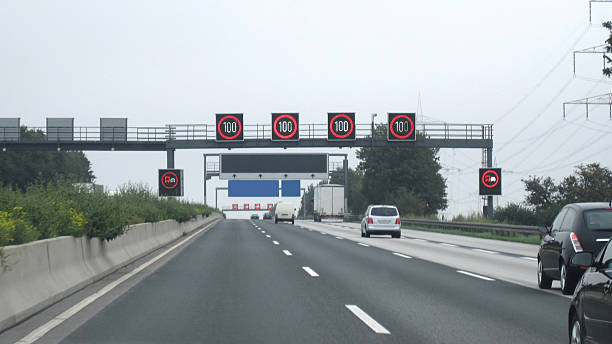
<point>284,212</point>
<point>381,220</point>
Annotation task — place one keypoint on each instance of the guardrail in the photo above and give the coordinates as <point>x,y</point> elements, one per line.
<point>465,226</point>
<point>207,132</point>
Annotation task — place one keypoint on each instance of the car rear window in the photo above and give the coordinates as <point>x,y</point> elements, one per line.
<point>384,211</point>
<point>600,219</point>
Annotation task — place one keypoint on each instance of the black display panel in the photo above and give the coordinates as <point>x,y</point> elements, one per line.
<point>285,127</point>
<point>490,181</point>
<point>170,182</point>
<point>341,126</point>
<point>230,127</point>
<point>273,166</point>
<point>401,127</point>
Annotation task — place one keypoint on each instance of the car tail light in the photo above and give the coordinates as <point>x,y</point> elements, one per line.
<point>370,221</point>
<point>397,221</point>
<point>575,242</point>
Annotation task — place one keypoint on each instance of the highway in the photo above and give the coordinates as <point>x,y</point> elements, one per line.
<point>260,282</point>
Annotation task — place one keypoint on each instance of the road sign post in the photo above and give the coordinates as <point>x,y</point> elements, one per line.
<point>401,127</point>
<point>229,127</point>
<point>285,127</point>
<point>341,126</point>
<point>170,182</point>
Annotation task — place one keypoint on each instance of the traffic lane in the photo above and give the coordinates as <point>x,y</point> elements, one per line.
<point>510,268</point>
<point>231,285</point>
<point>417,299</point>
<point>514,248</point>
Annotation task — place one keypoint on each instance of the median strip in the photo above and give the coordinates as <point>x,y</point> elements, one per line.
<point>474,275</point>
<point>310,271</point>
<point>368,320</point>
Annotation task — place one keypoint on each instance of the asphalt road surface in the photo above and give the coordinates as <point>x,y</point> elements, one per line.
<point>237,284</point>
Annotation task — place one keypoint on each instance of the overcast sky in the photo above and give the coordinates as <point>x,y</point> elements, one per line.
<point>161,62</point>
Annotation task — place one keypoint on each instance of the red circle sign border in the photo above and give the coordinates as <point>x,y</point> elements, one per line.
<point>237,121</point>
<point>393,131</point>
<point>487,185</point>
<point>285,137</point>
<point>164,184</point>
<point>335,133</point>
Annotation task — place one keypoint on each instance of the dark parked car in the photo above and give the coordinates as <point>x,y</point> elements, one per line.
<point>578,227</point>
<point>267,216</point>
<point>254,217</point>
<point>590,313</point>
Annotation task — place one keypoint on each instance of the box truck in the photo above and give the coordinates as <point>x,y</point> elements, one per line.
<point>329,202</point>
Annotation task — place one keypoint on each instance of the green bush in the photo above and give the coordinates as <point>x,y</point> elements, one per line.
<point>517,214</point>
<point>61,208</point>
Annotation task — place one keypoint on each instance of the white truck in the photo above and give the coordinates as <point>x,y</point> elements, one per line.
<point>329,202</point>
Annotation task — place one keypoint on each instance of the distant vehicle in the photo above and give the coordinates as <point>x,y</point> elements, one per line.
<point>254,217</point>
<point>578,227</point>
<point>590,313</point>
<point>381,220</point>
<point>329,202</point>
<point>284,212</point>
<point>267,216</point>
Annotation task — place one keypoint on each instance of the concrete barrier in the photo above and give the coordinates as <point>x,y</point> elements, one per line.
<point>43,272</point>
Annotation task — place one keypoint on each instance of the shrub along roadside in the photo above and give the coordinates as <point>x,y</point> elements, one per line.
<point>60,208</point>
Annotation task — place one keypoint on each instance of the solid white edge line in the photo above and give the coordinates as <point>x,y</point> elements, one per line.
<point>474,275</point>
<point>368,320</point>
<point>275,242</point>
<point>401,255</point>
<point>310,271</point>
<point>44,329</point>
<point>484,251</point>
<point>339,238</point>
<point>362,244</point>
<point>447,244</point>
<point>530,258</point>
<point>287,252</point>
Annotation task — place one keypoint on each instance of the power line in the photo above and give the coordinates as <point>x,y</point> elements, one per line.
<point>544,78</point>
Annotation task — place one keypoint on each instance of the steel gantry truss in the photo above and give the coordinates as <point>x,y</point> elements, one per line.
<point>203,136</point>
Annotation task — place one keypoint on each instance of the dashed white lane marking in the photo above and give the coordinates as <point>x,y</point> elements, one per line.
<point>362,244</point>
<point>421,240</point>
<point>474,275</point>
<point>287,252</point>
<point>339,238</point>
<point>275,242</point>
<point>267,236</point>
<point>310,271</point>
<point>530,258</point>
<point>368,320</point>
<point>323,233</point>
<point>484,251</point>
<point>44,329</point>
<point>401,255</point>
<point>447,244</point>
<point>263,231</point>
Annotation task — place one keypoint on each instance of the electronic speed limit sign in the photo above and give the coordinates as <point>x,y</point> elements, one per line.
<point>285,127</point>
<point>489,180</point>
<point>341,126</point>
<point>230,127</point>
<point>401,127</point>
<point>170,182</point>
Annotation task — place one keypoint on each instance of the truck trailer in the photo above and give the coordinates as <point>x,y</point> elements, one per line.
<point>329,202</point>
